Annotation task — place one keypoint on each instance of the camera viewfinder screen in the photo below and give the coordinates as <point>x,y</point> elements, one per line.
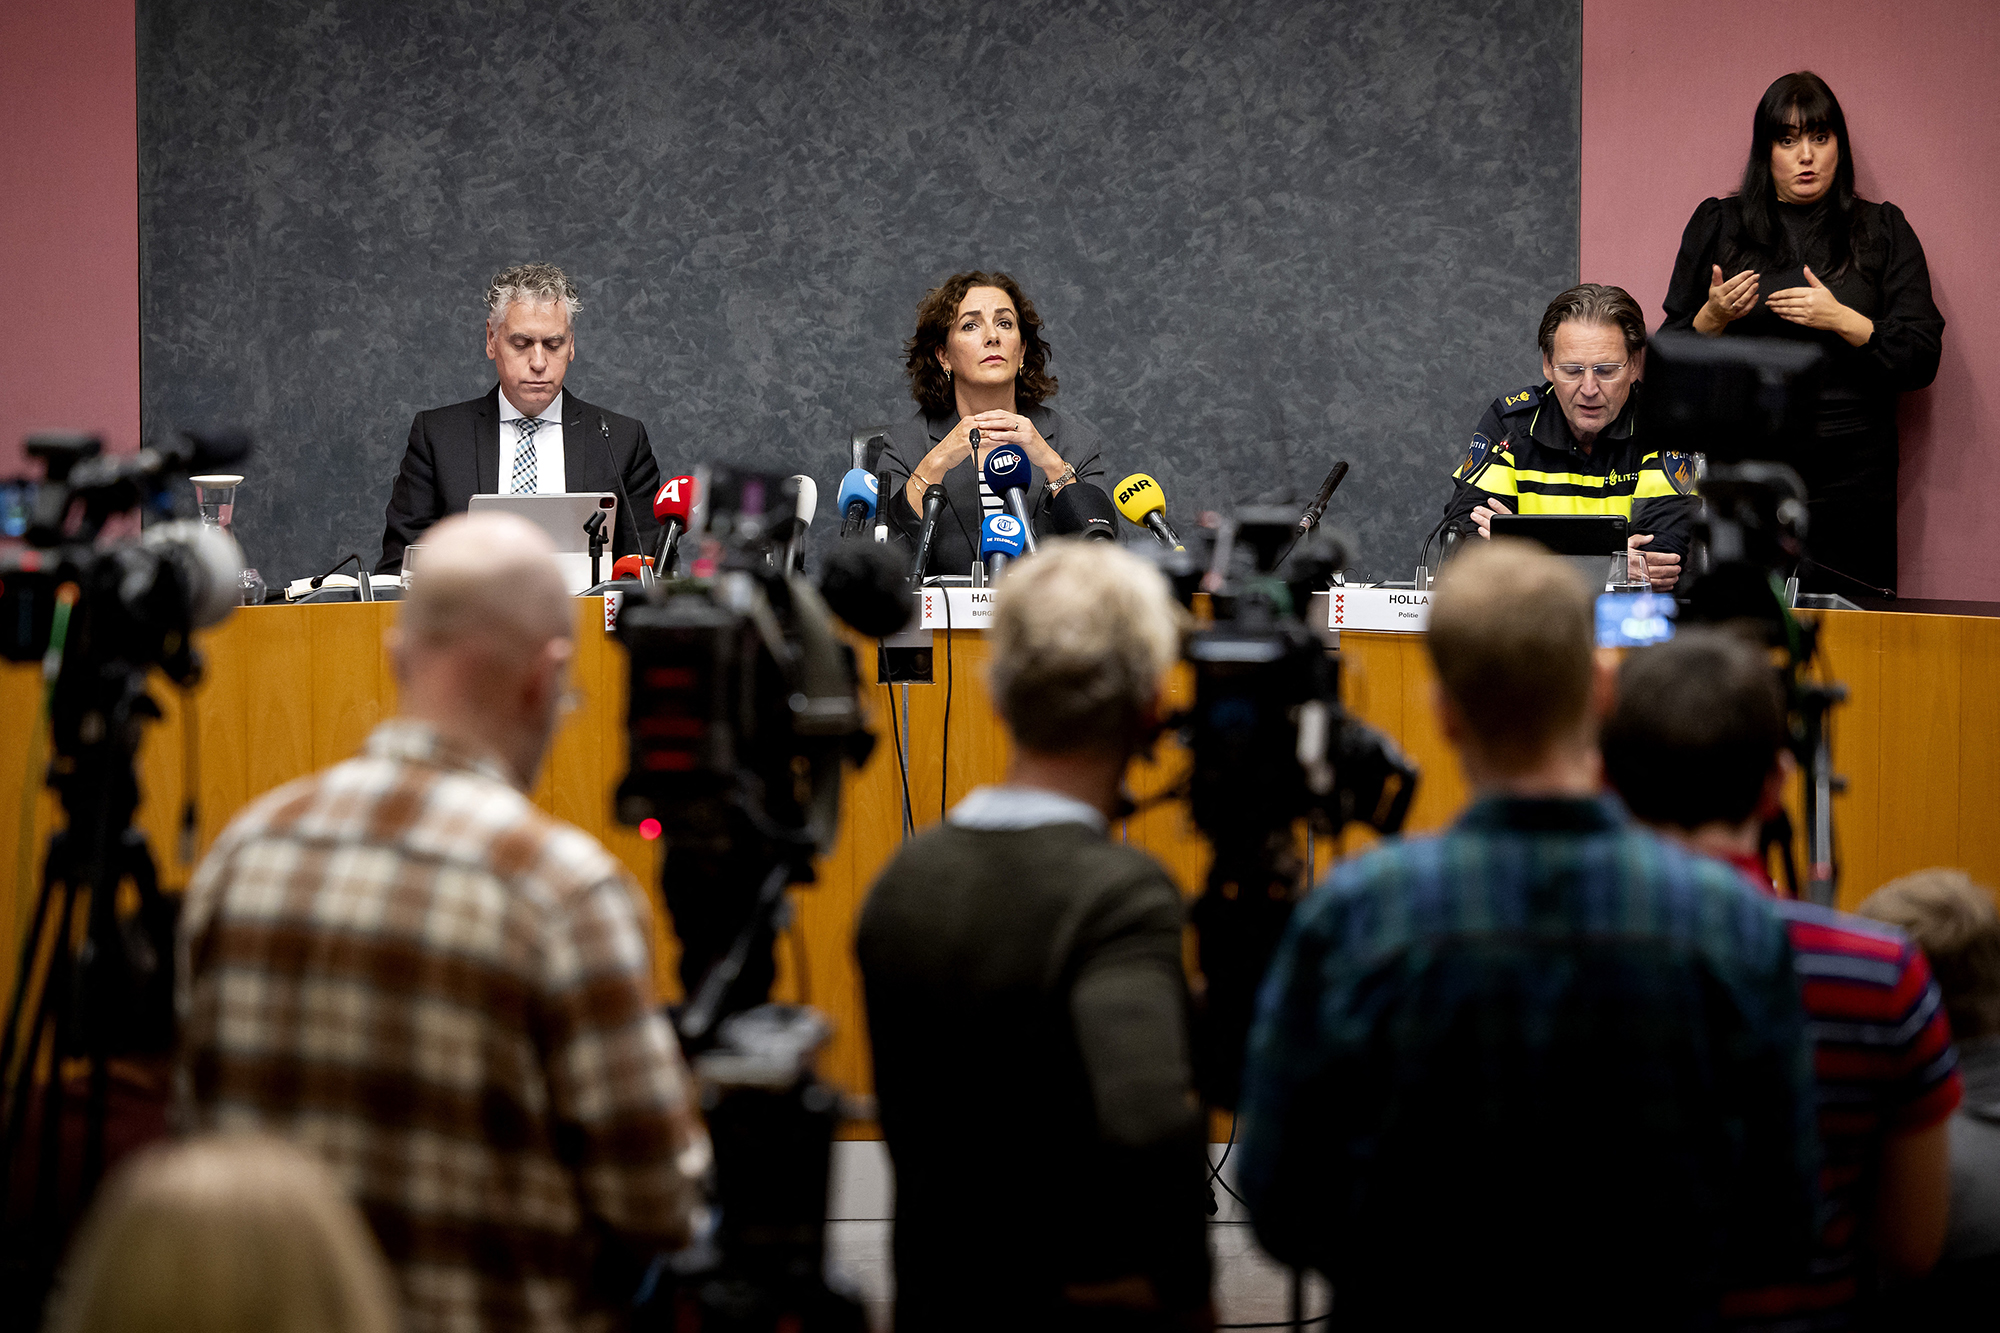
<point>1634,619</point>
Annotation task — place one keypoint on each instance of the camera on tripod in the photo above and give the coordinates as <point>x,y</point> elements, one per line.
<point>744,707</point>
<point>102,618</point>
<point>1272,745</point>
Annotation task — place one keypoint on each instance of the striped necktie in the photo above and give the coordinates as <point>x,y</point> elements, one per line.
<point>524,455</point>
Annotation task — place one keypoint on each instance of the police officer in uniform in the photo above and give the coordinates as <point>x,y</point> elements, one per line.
<point>1572,445</point>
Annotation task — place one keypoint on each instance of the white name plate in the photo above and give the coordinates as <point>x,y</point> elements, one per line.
<point>955,608</point>
<point>1390,610</point>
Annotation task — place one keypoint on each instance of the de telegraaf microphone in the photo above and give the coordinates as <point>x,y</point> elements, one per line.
<point>933,503</point>
<point>1006,475</point>
<point>1317,509</point>
<point>858,495</point>
<point>1140,499</point>
<point>999,542</point>
<point>671,507</point>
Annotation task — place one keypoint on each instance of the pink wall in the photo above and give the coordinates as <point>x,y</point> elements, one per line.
<point>69,221</point>
<point>1668,92</point>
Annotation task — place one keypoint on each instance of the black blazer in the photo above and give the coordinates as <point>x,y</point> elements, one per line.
<point>454,454</point>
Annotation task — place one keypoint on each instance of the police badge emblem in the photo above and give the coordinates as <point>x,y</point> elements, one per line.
<point>1680,471</point>
<point>1475,457</point>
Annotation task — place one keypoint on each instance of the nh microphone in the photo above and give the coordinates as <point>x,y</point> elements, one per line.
<point>859,494</point>
<point>999,542</point>
<point>933,502</point>
<point>803,510</point>
<point>1140,499</point>
<point>1083,510</point>
<point>1317,509</point>
<point>671,507</point>
<point>1006,475</point>
<point>628,567</point>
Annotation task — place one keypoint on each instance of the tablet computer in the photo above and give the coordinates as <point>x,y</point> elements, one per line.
<point>1567,534</point>
<point>562,517</point>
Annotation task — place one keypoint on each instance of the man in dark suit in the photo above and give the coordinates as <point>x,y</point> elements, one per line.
<point>525,436</point>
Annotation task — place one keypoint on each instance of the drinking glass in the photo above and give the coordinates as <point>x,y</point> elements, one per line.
<point>410,556</point>
<point>215,492</point>
<point>251,585</point>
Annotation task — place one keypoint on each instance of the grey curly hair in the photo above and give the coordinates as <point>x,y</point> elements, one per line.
<point>533,283</point>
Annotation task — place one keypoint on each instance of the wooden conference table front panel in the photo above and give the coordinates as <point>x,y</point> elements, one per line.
<point>290,690</point>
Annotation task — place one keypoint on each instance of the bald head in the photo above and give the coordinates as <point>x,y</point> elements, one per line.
<point>1511,634</point>
<point>485,636</point>
<point>486,577</point>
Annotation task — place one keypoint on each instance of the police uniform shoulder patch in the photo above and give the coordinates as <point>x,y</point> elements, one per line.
<point>1679,468</point>
<point>1476,456</point>
<point>1520,400</point>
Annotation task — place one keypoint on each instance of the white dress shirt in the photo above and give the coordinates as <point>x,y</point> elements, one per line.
<point>549,478</point>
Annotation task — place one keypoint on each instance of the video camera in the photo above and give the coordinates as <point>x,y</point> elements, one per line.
<point>1272,745</point>
<point>103,618</point>
<point>744,706</point>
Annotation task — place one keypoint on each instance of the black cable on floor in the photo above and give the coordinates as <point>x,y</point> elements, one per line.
<point>902,758</point>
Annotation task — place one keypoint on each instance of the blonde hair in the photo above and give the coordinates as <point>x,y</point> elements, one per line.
<point>1954,921</point>
<point>1083,633</point>
<point>1512,636</point>
<point>231,1233</point>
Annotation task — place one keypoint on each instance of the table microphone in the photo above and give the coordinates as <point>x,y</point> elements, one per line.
<point>671,507</point>
<point>803,510</point>
<point>1006,475</point>
<point>618,484</point>
<point>933,502</point>
<point>1140,499</point>
<point>1317,509</point>
<point>859,493</point>
<point>999,542</point>
<point>629,566</point>
<point>883,499</point>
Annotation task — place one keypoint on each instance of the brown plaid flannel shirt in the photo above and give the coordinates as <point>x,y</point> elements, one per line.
<point>404,965</point>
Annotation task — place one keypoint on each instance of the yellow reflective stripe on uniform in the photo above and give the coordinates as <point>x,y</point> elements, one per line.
<point>1653,481</point>
<point>1496,478</point>
<point>1531,503</point>
<point>1532,478</point>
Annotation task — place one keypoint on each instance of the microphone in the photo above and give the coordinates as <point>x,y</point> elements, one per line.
<point>670,507</point>
<point>999,542</point>
<point>1141,500</point>
<point>618,484</point>
<point>859,493</point>
<point>1083,510</point>
<point>933,502</point>
<point>1006,475</point>
<point>1317,509</point>
<point>863,584</point>
<point>628,567</point>
<point>883,491</point>
<point>803,509</point>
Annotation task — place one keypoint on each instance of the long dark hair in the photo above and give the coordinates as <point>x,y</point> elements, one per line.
<point>930,386</point>
<point>1801,99</point>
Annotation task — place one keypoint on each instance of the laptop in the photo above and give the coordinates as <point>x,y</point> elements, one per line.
<point>562,517</point>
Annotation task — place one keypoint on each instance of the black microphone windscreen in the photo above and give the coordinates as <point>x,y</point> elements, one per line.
<point>1083,510</point>
<point>864,584</point>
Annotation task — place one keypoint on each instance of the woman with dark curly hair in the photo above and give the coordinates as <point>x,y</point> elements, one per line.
<point>978,361</point>
<point>1794,254</point>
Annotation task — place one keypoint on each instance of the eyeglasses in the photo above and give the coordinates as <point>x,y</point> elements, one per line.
<point>1609,373</point>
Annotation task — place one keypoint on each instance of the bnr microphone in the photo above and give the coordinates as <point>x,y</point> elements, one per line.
<point>1140,499</point>
<point>999,542</point>
<point>859,493</point>
<point>933,502</point>
<point>1083,510</point>
<point>1317,509</point>
<point>804,508</point>
<point>1006,474</point>
<point>671,507</point>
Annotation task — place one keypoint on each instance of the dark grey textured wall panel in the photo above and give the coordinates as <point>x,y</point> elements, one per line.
<point>1261,235</point>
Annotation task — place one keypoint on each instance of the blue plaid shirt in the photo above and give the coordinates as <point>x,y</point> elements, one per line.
<point>1544,1064</point>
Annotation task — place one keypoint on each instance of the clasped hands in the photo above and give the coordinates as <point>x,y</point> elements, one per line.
<point>995,428</point>
<point>1812,305</point>
<point>1662,569</point>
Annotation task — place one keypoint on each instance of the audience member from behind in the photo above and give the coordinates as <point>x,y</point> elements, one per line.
<point>1544,1069</point>
<point>1954,922</point>
<point>1026,1001</point>
<point>235,1233</point>
<point>406,966</point>
<point>1697,747</point>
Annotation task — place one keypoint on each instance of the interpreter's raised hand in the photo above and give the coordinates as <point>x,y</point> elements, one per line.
<point>1000,427</point>
<point>1817,308</point>
<point>1731,298</point>
<point>1483,516</point>
<point>1662,569</point>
